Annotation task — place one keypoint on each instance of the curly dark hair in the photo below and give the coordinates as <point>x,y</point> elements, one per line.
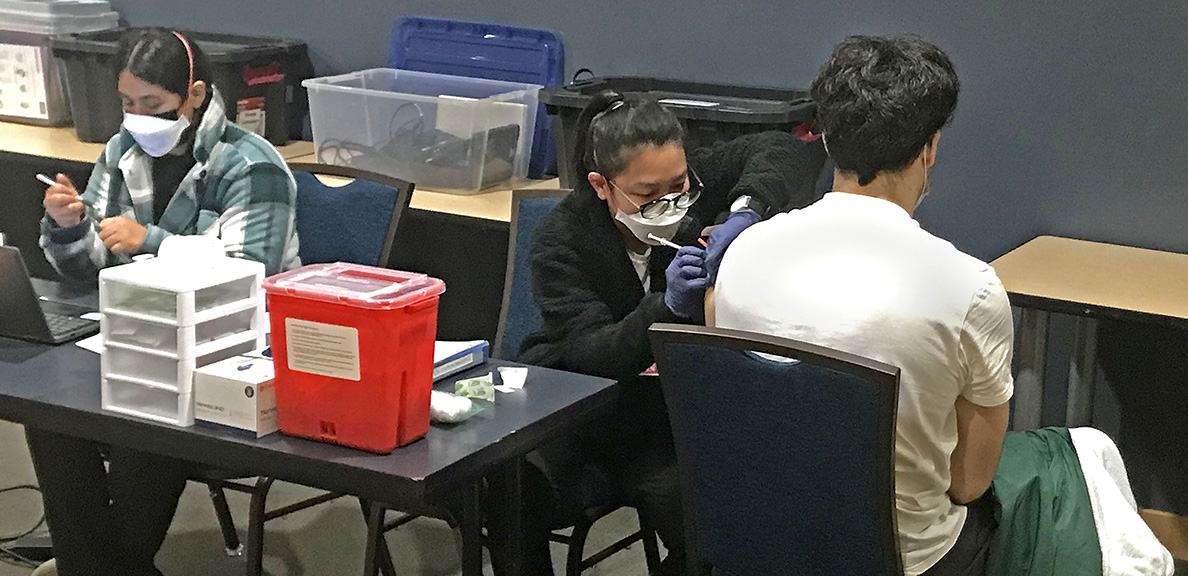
<point>880,100</point>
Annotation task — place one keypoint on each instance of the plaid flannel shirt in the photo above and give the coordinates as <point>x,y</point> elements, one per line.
<point>240,190</point>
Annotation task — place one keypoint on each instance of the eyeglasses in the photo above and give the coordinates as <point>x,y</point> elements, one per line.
<point>663,204</point>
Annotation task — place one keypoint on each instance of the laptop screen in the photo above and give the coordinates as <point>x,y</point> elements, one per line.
<point>22,314</point>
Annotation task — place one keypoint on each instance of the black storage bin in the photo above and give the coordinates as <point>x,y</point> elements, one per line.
<point>709,112</point>
<point>252,73</point>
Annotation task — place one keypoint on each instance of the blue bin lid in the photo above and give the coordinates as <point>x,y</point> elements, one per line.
<point>477,50</point>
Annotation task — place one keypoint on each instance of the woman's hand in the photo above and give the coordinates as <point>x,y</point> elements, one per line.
<point>62,203</point>
<point>722,236</point>
<point>121,234</point>
<point>685,294</point>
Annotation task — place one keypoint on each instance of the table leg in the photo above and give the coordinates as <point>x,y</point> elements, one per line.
<point>375,531</point>
<point>1030,357</point>
<point>1082,372</point>
<point>513,473</point>
<point>472,530</point>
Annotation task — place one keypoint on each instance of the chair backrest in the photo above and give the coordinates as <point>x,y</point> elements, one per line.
<point>355,222</point>
<point>786,465</point>
<point>519,315</point>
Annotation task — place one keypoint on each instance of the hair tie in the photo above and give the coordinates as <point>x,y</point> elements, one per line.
<point>613,106</point>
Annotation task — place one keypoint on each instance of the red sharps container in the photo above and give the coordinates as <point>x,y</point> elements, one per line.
<point>353,351</point>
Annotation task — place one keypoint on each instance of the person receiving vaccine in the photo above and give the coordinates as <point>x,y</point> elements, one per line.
<point>177,166</point>
<point>619,253</point>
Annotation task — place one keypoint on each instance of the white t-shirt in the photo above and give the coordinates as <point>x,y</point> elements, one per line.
<point>640,263</point>
<point>857,274</point>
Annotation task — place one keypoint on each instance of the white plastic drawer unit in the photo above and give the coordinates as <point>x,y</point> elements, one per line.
<point>165,317</point>
<point>134,330</point>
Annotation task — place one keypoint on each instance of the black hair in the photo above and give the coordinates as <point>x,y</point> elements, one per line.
<point>612,125</point>
<point>880,100</point>
<point>158,56</point>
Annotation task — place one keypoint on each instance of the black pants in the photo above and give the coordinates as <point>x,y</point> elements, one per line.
<point>105,521</point>
<point>563,475</point>
<point>969,554</point>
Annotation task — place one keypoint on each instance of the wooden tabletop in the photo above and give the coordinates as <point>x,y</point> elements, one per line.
<point>490,204</point>
<point>1078,276</point>
<point>493,204</point>
<point>63,143</point>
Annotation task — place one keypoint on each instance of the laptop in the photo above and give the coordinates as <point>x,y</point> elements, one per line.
<point>26,316</point>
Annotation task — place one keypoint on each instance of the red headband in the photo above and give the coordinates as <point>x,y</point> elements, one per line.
<point>190,56</point>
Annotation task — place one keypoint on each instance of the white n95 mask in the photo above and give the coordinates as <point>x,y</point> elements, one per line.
<point>156,136</point>
<point>664,226</point>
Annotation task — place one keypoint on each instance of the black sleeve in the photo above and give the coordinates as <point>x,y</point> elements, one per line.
<point>775,167</point>
<point>580,331</point>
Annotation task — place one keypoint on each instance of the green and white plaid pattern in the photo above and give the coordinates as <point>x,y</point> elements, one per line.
<point>239,190</point>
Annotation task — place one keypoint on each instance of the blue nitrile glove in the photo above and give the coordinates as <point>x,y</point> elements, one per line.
<point>685,294</point>
<point>721,237</point>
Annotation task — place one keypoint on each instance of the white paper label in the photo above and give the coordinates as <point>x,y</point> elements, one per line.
<point>250,115</point>
<point>22,82</point>
<point>322,349</point>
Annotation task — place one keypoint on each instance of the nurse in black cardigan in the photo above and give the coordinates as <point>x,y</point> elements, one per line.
<point>604,271</point>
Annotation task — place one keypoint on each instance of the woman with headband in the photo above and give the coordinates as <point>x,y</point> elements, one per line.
<point>605,268</point>
<point>177,166</point>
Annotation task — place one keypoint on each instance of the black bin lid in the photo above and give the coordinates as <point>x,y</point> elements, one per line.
<point>219,48</point>
<point>692,100</point>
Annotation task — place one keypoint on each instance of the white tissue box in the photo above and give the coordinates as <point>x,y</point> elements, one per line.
<point>237,392</point>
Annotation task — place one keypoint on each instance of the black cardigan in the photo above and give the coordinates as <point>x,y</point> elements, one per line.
<point>595,313</point>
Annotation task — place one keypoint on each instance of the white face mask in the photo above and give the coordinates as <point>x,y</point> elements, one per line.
<point>664,226</point>
<point>923,191</point>
<point>156,136</point>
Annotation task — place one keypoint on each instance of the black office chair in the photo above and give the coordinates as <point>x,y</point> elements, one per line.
<point>355,222</point>
<point>787,464</point>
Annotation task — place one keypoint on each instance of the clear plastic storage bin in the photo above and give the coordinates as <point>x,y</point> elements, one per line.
<point>437,131</point>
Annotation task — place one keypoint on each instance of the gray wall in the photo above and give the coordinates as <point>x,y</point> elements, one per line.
<point>1071,120</point>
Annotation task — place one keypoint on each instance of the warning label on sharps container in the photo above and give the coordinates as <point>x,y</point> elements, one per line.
<point>322,349</point>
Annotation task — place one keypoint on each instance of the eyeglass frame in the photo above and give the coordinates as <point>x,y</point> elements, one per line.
<point>668,200</point>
